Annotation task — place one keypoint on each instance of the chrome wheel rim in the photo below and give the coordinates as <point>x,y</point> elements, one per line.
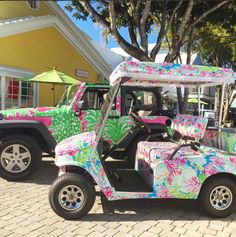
<point>15,158</point>
<point>221,198</point>
<point>71,197</point>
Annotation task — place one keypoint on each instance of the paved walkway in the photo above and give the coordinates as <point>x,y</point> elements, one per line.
<point>24,211</point>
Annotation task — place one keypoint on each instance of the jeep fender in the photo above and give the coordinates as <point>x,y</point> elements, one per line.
<point>32,128</point>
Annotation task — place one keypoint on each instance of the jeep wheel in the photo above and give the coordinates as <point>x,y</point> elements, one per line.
<point>20,156</point>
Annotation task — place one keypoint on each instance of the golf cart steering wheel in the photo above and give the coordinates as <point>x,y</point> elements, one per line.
<point>138,121</point>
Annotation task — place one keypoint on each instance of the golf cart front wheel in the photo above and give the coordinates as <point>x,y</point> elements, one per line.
<point>71,196</point>
<point>218,197</point>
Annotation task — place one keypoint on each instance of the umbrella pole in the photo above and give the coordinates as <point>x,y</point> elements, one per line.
<point>53,98</point>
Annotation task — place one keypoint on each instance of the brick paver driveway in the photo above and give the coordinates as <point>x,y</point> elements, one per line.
<point>24,211</point>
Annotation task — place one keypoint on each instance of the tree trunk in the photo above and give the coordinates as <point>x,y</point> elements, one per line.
<point>217,98</point>
<point>230,96</point>
<point>183,100</point>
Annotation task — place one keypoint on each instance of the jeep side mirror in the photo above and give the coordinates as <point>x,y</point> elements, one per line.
<point>81,104</point>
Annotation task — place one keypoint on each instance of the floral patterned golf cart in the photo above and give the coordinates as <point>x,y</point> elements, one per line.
<point>171,168</point>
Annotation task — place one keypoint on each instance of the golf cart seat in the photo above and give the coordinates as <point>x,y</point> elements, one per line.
<point>189,126</point>
<point>150,153</point>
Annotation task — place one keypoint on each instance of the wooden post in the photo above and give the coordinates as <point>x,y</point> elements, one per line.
<point>198,97</point>
<point>221,103</point>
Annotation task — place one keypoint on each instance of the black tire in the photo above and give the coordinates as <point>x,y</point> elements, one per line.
<point>87,192</point>
<point>207,196</point>
<point>32,163</point>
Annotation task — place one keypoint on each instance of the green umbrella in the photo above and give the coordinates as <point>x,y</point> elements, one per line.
<point>53,77</point>
<point>195,101</point>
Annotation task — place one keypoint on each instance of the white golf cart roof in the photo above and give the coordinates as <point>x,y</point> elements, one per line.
<point>161,74</point>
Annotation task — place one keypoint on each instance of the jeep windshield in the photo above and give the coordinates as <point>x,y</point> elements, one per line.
<point>69,95</point>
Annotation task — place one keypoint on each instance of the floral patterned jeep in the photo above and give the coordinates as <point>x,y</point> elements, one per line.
<point>26,133</point>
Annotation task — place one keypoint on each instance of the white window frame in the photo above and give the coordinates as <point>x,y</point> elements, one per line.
<point>15,73</point>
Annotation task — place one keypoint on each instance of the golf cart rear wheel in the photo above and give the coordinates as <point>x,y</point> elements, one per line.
<point>218,197</point>
<point>71,196</point>
<point>20,156</point>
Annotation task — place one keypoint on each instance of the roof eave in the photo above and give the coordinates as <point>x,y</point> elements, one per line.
<point>81,41</point>
<point>25,26</point>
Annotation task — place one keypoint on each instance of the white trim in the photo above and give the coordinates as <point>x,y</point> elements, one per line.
<point>19,94</point>
<point>14,72</point>
<point>79,40</point>
<point>3,82</point>
<point>16,26</point>
<point>35,92</point>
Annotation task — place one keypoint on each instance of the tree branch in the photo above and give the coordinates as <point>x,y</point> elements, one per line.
<point>167,41</point>
<point>185,20</point>
<point>130,49</point>
<point>208,12</point>
<point>189,46</point>
<point>142,28</point>
<point>95,15</point>
<point>173,14</point>
<point>131,28</point>
<point>161,35</point>
<point>136,9</point>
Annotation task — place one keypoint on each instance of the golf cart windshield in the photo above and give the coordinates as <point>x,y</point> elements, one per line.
<point>69,95</point>
<point>106,108</point>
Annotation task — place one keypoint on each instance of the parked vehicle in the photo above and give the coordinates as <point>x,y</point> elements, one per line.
<point>26,133</point>
<point>163,169</point>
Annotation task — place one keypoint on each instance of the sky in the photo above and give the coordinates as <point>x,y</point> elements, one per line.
<point>94,31</point>
<point>90,28</point>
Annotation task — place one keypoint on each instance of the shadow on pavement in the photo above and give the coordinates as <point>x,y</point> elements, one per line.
<point>132,210</point>
<point>45,175</point>
<point>146,209</point>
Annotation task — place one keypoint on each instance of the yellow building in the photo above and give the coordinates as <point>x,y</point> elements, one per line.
<point>36,36</point>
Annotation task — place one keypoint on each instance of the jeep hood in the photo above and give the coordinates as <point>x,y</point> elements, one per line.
<point>25,112</point>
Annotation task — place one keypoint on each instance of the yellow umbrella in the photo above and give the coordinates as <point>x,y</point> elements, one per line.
<point>53,77</point>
